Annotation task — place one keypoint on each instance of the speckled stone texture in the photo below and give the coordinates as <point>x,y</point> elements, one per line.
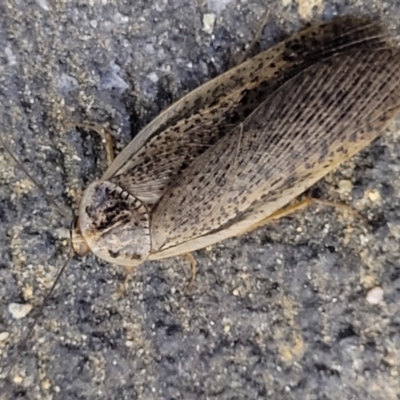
<point>305,308</point>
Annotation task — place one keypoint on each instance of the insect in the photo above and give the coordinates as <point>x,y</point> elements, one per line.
<point>228,155</point>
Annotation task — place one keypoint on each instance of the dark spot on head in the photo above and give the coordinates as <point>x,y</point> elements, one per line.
<point>113,254</point>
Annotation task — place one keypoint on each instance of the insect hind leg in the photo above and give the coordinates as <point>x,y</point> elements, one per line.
<point>303,204</point>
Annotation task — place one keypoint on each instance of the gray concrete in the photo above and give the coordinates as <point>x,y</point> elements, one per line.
<point>281,313</point>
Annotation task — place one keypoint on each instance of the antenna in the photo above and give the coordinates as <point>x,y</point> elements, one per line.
<point>34,181</point>
<point>64,213</point>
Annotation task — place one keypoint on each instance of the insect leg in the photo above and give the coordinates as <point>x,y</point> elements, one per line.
<point>123,288</point>
<point>193,266</point>
<point>106,138</point>
<point>305,203</point>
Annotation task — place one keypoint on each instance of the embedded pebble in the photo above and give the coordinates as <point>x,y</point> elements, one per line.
<point>67,83</point>
<point>4,336</point>
<point>218,5</point>
<point>345,186</point>
<point>153,77</point>
<point>375,295</point>
<point>18,379</point>
<point>112,81</point>
<point>43,4</point>
<point>11,59</point>
<point>374,195</point>
<point>308,8</point>
<point>394,228</point>
<point>208,22</point>
<point>19,311</point>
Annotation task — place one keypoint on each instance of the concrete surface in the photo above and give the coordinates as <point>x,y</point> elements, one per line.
<point>286,312</point>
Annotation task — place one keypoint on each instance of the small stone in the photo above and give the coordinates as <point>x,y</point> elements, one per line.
<point>11,59</point>
<point>394,229</point>
<point>28,292</point>
<point>368,281</point>
<point>153,77</point>
<point>46,384</point>
<point>307,8</point>
<point>18,379</point>
<point>43,4</point>
<point>345,186</point>
<point>112,81</point>
<point>374,195</point>
<point>67,83</point>
<point>4,336</point>
<point>390,360</point>
<point>375,295</point>
<point>217,5</point>
<point>364,240</point>
<point>19,311</point>
<point>208,22</point>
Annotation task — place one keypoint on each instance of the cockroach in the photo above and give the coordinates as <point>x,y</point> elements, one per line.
<point>227,156</point>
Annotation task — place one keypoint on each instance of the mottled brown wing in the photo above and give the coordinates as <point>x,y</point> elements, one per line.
<point>170,143</point>
<point>303,130</point>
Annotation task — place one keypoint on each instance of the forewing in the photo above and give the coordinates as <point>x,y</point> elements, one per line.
<point>169,144</point>
<point>303,130</point>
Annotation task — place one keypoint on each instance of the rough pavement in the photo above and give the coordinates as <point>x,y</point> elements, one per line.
<point>283,313</point>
